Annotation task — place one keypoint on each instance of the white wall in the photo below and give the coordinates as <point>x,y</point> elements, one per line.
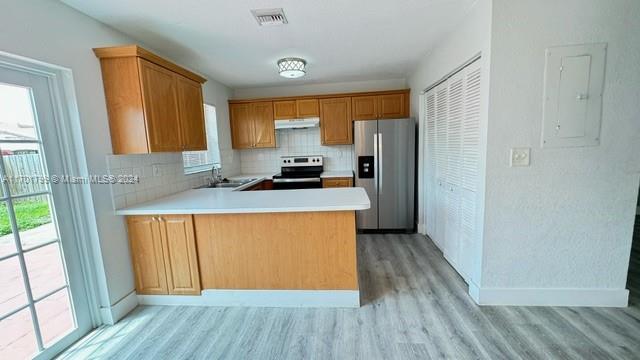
<point>566,221</point>
<point>54,33</point>
<point>318,89</point>
<point>472,36</point>
<point>217,94</point>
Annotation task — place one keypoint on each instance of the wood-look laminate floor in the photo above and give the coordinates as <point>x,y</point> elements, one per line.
<point>415,307</point>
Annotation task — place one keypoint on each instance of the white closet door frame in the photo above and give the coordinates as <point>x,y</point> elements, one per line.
<point>452,164</point>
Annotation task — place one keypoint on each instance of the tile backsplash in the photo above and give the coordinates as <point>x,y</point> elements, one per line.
<point>169,177</point>
<point>296,142</point>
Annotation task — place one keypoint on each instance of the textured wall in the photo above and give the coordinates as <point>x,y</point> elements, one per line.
<point>566,221</point>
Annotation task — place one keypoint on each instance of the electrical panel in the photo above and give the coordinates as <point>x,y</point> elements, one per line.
<point>573,84</point>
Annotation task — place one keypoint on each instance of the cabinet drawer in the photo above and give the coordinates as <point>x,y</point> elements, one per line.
<point>337,182</point>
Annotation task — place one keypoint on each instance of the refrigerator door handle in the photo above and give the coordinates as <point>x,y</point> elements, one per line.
<point>375,160</point>
<point>380,167</point>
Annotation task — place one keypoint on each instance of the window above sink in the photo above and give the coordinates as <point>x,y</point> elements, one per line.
<point>200,161</point>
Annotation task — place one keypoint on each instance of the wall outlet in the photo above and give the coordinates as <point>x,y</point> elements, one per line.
<point>520,157</point>
<point>156,169</point>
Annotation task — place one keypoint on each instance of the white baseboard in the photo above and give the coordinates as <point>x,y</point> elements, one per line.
<point>260,298</point>
<point>421,229</point>
<point>112,314</point>
<point>549,297</point>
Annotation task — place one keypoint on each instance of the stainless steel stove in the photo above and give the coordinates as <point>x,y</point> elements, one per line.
<point>299,172</point>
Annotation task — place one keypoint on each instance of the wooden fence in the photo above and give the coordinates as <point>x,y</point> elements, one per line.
<point>24,175</point>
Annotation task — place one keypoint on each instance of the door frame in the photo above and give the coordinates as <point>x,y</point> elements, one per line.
<point>69,142</point>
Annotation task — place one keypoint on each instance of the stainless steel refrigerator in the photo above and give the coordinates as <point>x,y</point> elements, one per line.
<point>384,166</point>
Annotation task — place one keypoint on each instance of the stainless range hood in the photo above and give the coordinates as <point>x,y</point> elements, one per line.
<point>297,123</point>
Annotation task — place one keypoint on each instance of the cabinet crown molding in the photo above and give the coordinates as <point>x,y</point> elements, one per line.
<point>135,50</point>
<point>321,96</point>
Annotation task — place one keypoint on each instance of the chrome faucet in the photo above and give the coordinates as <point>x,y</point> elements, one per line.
<point>216,175</point>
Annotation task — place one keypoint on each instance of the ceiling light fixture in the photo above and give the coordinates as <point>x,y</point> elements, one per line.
<point>291,68</point>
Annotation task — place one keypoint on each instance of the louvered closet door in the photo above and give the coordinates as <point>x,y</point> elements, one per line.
<point>470,166</point>
<point>455,118</point>
<point>441,162</point>
<point>430,164</point>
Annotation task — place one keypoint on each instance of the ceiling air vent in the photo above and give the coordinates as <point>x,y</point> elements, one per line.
<point>269,17</point>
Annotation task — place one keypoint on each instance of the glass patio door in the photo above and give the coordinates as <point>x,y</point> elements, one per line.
<point>43,303</point>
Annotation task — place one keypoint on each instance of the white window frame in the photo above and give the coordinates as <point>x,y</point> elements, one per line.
<point>213,146</point>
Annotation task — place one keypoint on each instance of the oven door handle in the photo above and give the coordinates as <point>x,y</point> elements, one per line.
<point>296,180</point>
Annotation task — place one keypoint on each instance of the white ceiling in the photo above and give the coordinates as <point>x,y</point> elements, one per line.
<point>342,40</point>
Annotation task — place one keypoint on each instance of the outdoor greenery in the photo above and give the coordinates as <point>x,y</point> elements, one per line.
<point>30,214</point>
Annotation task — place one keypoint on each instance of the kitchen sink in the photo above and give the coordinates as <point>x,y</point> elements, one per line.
<point>226,184</point>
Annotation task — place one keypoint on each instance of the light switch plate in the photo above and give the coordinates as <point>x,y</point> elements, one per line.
<point>520,157</point>
<point>157,171</point>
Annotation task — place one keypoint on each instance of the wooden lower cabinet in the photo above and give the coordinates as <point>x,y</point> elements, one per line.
<point>337,182</point>
<point>292,251</point>
<point>147,256</point>
<point>163,251</point>
<point>263,185</point>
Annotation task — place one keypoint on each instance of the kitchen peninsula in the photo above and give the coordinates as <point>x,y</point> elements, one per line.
<point>222,247</point>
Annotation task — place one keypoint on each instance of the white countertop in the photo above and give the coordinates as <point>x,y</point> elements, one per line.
<point>226,201</point>
<point>337,174</point>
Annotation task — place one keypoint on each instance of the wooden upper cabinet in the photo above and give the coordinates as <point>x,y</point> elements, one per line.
<point>365,107</point>
<point>285,109</point>
<point>263,125</point>
<point>295,109</point>
<point>252,125</point>
<point>163,252</point>
<point>180,257</point>
<point>307,108</point>
<point>153,104</point>
<point>241,126</point>
<point>336,127</point>
<point>252,121</point>
<point>160,104</point>
<point>393,106</point>
<point>190,105</point>
<point>145,242</point>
